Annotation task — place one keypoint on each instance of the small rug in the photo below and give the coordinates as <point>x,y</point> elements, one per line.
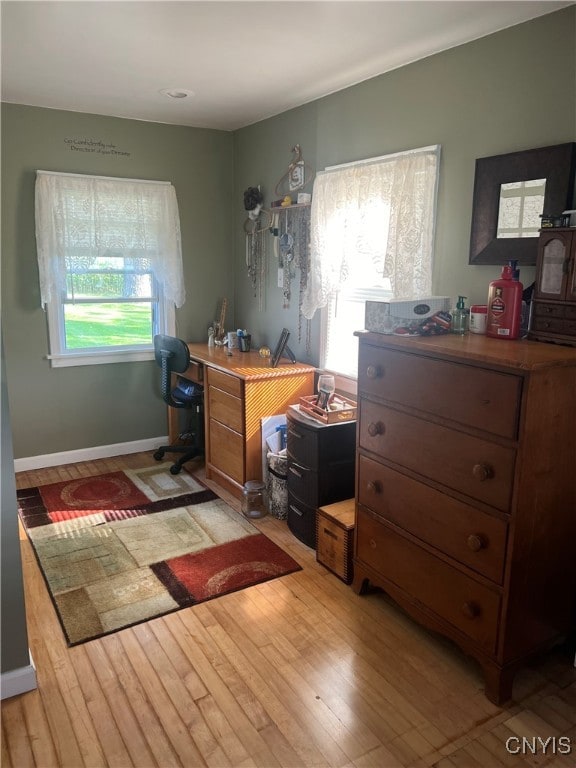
<point>124,547</point>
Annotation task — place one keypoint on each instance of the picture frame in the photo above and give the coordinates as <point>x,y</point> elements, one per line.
<point>280,347</point>
<point>556,164</point>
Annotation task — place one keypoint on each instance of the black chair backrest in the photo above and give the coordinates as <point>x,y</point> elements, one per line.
<point>172,356</point>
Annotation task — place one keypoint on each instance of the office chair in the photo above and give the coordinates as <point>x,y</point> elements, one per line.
<point>173,356</point>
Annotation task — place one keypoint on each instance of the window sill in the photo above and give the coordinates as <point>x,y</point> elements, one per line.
<point>99,358</point>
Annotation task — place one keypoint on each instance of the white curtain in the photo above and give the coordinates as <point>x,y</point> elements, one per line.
<point>80,218</point>
<point>381,209</point>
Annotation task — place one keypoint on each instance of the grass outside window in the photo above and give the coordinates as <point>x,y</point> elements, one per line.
<point>89,326</point>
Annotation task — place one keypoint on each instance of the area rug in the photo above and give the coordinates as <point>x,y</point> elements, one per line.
<point>124,547</point>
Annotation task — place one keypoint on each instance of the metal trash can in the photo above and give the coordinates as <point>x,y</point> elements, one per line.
<point>277,485</point>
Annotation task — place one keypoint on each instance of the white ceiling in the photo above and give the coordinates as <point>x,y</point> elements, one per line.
<point>243,61</point>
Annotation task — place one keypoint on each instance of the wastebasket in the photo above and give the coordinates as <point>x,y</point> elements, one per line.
<point>277,485</point>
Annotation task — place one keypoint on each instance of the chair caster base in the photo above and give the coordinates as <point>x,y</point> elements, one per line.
<point>158,455</point>
<point>175,469</point>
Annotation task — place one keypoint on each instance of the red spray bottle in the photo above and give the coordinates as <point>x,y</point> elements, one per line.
<point>504,306</point>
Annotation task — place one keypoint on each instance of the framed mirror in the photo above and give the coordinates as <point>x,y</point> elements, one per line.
<point>511,192</point>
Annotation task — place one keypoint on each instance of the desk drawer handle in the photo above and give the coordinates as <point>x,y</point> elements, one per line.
<point>375,428</point>
<point>372,544</point>
<point>471,610</point>
<point>374,486</point>
<point>374,372</point>
<point>482,472</point>
<point>295,434</point>
<point>476,542</point>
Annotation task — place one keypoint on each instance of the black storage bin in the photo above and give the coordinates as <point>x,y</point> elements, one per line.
<point>321,469</point>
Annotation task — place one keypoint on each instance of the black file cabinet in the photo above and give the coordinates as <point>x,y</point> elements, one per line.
<point>321,462</point>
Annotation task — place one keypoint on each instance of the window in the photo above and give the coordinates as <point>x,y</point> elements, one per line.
<point>372,234</point>
<point>110,265</point>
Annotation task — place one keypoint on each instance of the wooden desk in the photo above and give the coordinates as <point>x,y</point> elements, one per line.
<point>239,389</point>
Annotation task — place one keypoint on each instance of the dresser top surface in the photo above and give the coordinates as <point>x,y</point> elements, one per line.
<point>522,354</point>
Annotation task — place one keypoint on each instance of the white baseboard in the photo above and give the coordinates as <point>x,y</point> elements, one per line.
<point>18,681</point>
<point>87,454</point>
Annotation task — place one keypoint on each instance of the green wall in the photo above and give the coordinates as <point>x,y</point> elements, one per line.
<point>511,91</point>
<point>64,409</point>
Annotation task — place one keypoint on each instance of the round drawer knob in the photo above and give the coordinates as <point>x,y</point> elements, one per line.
<point>476,542</point>
<point>372,543</point>
<point>375,428</point>
<point>482,472</point>
<point>373,486</point>
<point>373,372</point>
<point>470,609</point>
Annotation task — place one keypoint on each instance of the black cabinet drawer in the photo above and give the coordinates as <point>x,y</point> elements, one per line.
<point>333,482</point>
<point>312,445</point>
<point>301,521</point>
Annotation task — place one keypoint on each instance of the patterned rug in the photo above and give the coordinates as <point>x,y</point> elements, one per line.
<point>124,547</point>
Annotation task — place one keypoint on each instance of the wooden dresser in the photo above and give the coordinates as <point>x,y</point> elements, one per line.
<point>240,389</point>
<point>466,490</point>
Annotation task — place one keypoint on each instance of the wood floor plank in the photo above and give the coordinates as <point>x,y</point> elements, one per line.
<point>126,719</point>
<point>144,709</point>
<point>38,729</point>
<point>17,737</point>
<point>170,717</point>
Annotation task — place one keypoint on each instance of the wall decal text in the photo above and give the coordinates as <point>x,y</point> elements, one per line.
<point>93,145</point>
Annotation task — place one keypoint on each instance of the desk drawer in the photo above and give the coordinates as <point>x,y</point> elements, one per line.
<point>471,396</point>
<point>451,594</point>
<point>226,451</point>
<point>465,533</point>
<point>224,381</point>
<point>478,468</point>
<point>226,408</point>
<point>195,372</point>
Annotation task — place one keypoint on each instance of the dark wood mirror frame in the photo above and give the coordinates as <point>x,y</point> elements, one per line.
<point>556,164</point>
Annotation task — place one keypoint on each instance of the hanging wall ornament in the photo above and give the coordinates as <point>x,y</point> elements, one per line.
<point>298,175</point>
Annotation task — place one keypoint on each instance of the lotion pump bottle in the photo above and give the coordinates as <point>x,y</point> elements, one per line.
<point>460,317</point>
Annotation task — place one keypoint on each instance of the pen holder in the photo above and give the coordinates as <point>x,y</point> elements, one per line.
<point>245,342</point>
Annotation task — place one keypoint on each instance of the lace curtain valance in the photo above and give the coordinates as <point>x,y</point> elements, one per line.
<point>81,218</point>
<point>382,209</point>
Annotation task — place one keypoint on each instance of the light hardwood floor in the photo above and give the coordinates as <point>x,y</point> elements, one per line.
<point>295,672</point>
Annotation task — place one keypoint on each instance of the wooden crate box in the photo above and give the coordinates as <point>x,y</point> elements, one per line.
<point>335,538</point>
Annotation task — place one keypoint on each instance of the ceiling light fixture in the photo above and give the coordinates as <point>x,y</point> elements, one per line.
<point>176,93</point>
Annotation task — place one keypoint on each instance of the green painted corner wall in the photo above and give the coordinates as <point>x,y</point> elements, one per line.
<point>64,409</point>
<point>507,92</point>
<point>510,91</point>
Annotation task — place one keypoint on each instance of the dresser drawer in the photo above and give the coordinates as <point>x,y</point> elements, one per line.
<point>465,533</point>
<point>449,593</point>
<point>548,310</point>
<point>226,451</point>
<point>226,408</point>
<point>477,468</point>
<point>548,324</point>
<point>471,396</point>
<point>230,384</point>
